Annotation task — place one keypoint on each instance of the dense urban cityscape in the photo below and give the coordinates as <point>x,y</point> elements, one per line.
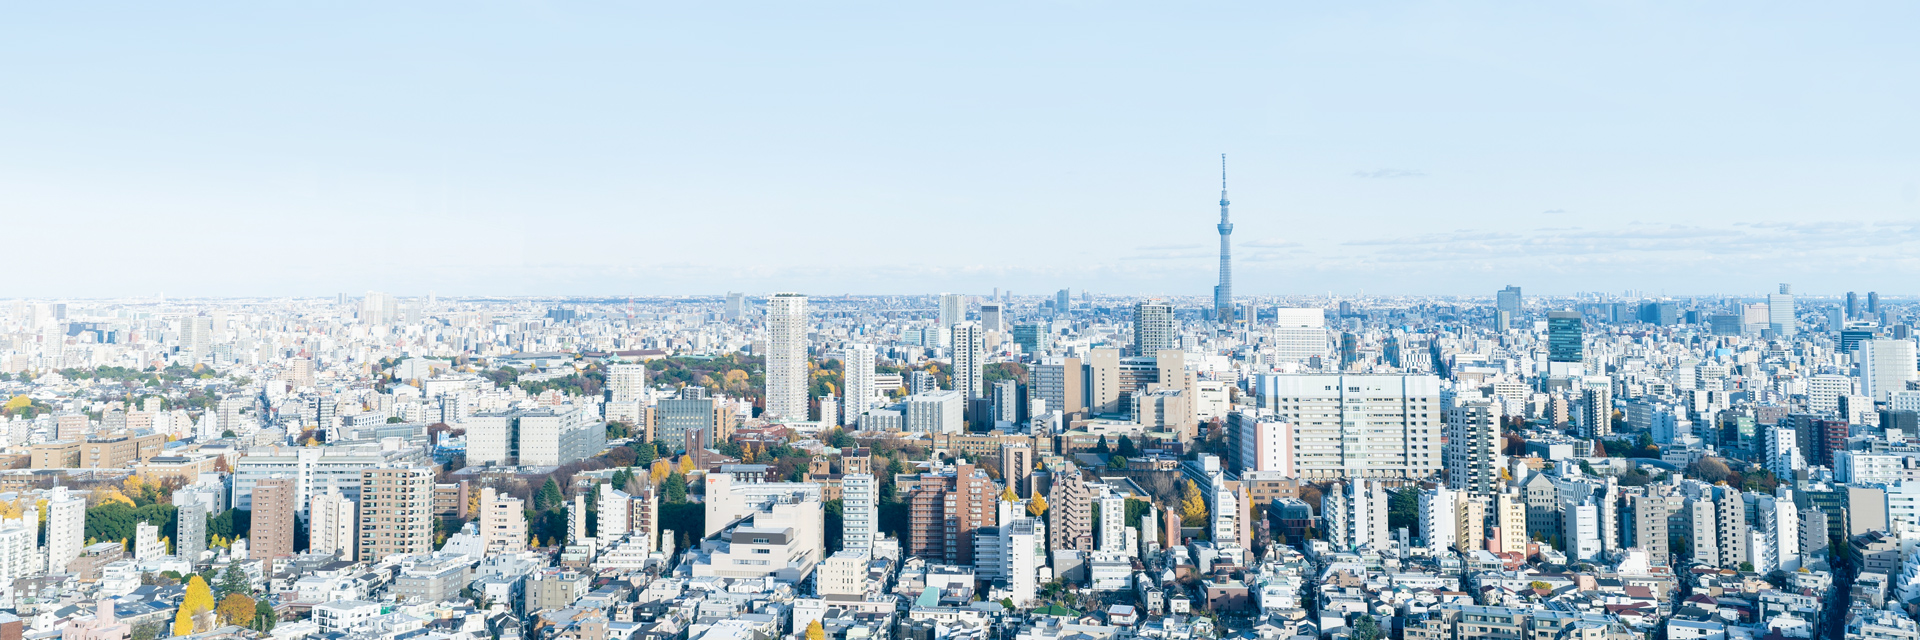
<point>948,466</point>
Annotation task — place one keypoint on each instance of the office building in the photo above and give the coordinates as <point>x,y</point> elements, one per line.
<point>1006,401</point>
<point>396,506</point>
<point>1262,442</point>
<point>1886,366</point>
<point>1113,523</point>
<point>936,412</point>
<point>969,360</point>
<point>1565,353</point>
<point>786,363</point>
<point>1507,302</point>
<point>1361,426</point>
<point>991,318</point>
<point>1056,384</point>
<point>1596,407</point>
<point>1033,337</point>
<point>1299,334</point>
<point>1152,327</point>
<point>1780,316</point>
<point>190,531</point>
<point>953,310</point>
<point>333,523</point>
<point>690,420</point>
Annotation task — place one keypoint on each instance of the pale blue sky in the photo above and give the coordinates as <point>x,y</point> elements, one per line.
<point>255,148</point>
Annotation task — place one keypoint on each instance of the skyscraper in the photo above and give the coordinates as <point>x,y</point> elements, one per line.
<point>1885,367</point>
<point>1152,327</point>
<point>1564,354</point>
<point>191,531</point>
<point>1780,312</point>
<point>787,356</point>
<point>1853,305</point>
<point>953,310</point>
<point>1062,301</point>
<point>1473,447</point>
<point>969,360</point>
<point>860,390</point>
<point>1223,293</point>
<point>1507,302</point>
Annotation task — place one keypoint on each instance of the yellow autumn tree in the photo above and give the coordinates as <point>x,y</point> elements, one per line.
<point>661,468</point>
<point>686,464</point>
<point>1009,495</point>
<point>1038,506</point>
<point>10,510</point>
<point>199,599</point>
<point>1193,508</point>
<point>114,495</point>
<point>18,402</point>
<point>236,609</point>
<point>182,622</point>
<point>815,631</point>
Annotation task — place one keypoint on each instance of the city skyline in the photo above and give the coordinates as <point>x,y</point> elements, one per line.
<point>1376,148</point>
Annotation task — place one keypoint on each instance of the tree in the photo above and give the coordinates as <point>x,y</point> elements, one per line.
<point>1127,448</point>
<point>549,497</point>
<point>1038,506</point>
<point>1193,508</point>
<point>236,610</point>
<point>234,580</point>
<point>815,631</point>
<point>199,599</point>
<point>1747,567</point>
<point>675,491</point>
<point>686,464</point>
<point>1366,628</point>
<point>1403,510</point>
<point>1710,470</point>
<point>1102,447</point>
<point>264,617</point>
<point>1116,462</point>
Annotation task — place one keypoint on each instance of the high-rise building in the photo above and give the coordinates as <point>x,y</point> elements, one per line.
<point>274,502</point>
<point>736,306</point>
<point>503,523</point>
<point>1062,302</point>
<point>1853,306</point>
<point>1152,327</point>
<point>1473,459</point>
<point>1223,292</point>
<point>1361,426</point>
<point>332,524</point>
<point>946,506</point>
<point>969,360</point>
<point>860,393</point>
<point>689,417</point>
<point>936,412</point>
<point>615,515</point>
<point>396,506</point>
<point>1006,401</point>
<point>1780,316</point>
<point>1886,366</point>
<point>1873,302</point>
<point>991,318</point>
<point>1299,334</point>
<point>1596,407</point>
<point>860,508</point>
<point>190,531</point>
<point>628,382</point>
<point>1507,301</point>
<point>1069,511</point>
<point>787,356</point>
<point>1354,514</point>
<point>1057,384</point>
<point>1648,527</point>
<point>953,310</point>
<point>1564,335</point>
<point>1510,515</point>
<point>1034,338</point>
<point>1261,442</point>
<point>1113,523</point>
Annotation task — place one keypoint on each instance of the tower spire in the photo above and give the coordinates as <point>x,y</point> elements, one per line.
<point>1223,293</point>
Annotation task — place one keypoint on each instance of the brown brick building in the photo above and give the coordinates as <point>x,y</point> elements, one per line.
<point>946,506</point>
<point>273,506</point>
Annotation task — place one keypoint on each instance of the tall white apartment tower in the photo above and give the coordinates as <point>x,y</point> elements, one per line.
<point>628,382</point>
<point>66,528</point>
<point>860,390</point>
<point>332,523</point>
<point>1473,447</point>
<point>860,522</point>
<point>969,360</point>
<point>787,356</point>
<point>1152,327</point>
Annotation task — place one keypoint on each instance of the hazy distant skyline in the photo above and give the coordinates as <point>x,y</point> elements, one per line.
<point>242,149</point>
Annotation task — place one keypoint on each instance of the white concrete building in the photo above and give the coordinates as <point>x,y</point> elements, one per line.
<point>786,364</point>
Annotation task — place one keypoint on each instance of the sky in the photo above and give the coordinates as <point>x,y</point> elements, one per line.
<point>575,148</point>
